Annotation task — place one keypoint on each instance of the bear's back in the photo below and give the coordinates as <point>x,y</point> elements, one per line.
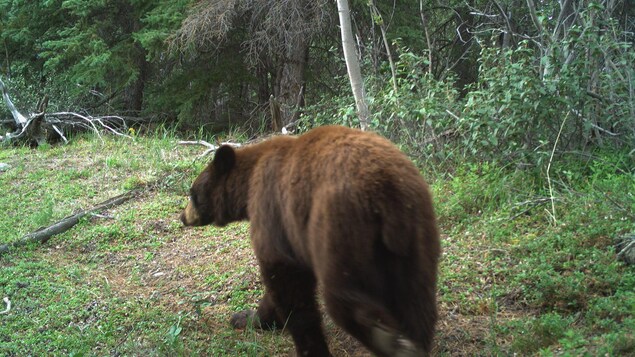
<point>359,175</point>
<point>348,159</point>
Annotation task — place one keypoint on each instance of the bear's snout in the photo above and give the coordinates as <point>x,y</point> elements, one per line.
<point>189,216</point>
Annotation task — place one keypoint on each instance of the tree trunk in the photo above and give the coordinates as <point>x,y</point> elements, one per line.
<point>291,85</point>
<point>352,63</point>
<point>136,90</point>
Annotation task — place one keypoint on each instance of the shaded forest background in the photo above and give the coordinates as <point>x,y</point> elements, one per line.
<point>445,78</point>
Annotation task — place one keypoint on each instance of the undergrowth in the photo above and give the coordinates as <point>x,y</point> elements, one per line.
<point>515,247</point>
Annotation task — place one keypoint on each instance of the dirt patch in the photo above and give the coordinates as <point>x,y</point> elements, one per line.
<point>175,275</point>
<point>470,335</point>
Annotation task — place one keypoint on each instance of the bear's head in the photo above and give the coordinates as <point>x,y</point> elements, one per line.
<point>211,195</point>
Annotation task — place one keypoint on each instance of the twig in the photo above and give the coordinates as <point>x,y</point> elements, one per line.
<point>532,204</point>
<point>447,133</point>
<point>44,234</point>
<point>604,130</point>
<point>92,124</point>
<point>198,142</point>
<point>555,144</point>
<point>210,147</point>
<point>461,57</point>
<point>112,130</point>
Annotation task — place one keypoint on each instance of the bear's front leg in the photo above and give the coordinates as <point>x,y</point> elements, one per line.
<point>291,289</point>
<point>263,318</point>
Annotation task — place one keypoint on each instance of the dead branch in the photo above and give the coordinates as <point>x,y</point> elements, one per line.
<point>435,138</point>
<point>210,147</point>
<point>111,123</point>
<point>286,130</point>
<point>44,234</point>
<point>625,248</point>
<point>40,127</point>
<point>60,133</point>
<point>531,204</point>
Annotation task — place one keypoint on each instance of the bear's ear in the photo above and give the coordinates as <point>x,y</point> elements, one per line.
<point>225,159</point>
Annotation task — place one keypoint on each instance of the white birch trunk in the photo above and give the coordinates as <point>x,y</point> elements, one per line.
<point>352,63</point>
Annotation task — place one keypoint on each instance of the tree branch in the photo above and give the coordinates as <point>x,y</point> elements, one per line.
<point>536,21</point>
<point>424,23</point>
<point>510,30</point>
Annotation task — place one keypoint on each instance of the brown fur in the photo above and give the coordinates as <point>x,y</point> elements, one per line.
<point>337,207</point>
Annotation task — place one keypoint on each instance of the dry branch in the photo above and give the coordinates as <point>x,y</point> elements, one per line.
<point>40,127</point>
<point>210,147</point>
<point>44,234</point>
<point>625,248</point>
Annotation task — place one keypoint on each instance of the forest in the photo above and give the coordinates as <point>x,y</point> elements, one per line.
<point>519,113</point>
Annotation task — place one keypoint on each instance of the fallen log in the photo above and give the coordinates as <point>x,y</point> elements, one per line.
<point>44,234</point>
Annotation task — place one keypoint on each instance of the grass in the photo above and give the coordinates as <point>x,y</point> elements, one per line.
<point>132,281</point>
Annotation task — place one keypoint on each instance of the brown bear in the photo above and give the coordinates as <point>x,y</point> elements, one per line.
<point>337,208</point>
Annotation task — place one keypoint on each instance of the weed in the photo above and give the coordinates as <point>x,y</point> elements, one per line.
<point>172,338</point>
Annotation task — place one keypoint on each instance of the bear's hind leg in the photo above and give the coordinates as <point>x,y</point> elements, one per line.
<point>369,322</point>
<point>292,289</point>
